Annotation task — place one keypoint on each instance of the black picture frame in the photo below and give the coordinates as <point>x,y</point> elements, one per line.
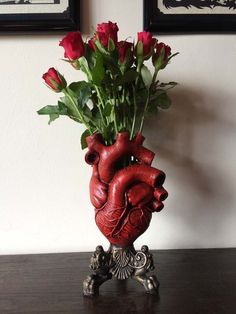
<point>42,22</point>
<point>157,22</point>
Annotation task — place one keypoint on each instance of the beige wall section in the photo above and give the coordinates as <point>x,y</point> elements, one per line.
<point>44,203</point>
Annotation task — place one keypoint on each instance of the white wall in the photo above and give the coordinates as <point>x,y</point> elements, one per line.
<point>44,202</point>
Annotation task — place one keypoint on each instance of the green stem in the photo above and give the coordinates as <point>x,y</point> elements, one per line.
<point>129,120</point>
<point>147,101</point>
<point>155,76</point>
<point>123,109</point>
<point>99,96</point>
<point>114,111</point>
<point>100,100</point>
<point>144,111</point>
<point>114,95</point>
<point>75,108</point>
<point>134,116</point>
<point>139,72</point>
<point>139,65</point>
<point>100,103</point>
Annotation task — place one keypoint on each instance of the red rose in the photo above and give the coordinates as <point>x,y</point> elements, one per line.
<point>158,49</point>
<point>54,80</point>
<point>73,45</point>
<point>91,43</point>
<point>106,31</point>
<point>125,52</point>
<point>148,43</point>
<point>161,55</point>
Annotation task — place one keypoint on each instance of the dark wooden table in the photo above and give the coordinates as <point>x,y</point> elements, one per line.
<point>192,281</point>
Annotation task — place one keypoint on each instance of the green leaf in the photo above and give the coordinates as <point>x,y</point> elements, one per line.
<point>141,97</point>
<point>158,99</point>
<point>53,111</point>
<point>111,63</point>
<point>89,55</point>
<point>152,108</point>
<point>172,84</point>
<point>96,118</point>
<point>53,117</point>
<point>163,101</point>
<point>154,96</point>
<point>107,110</point>
<point>109,133</point>
<point>174,54</point>
<point>146,76</point>
<point>95,112</point>
<point>160,64</point>
<point>128,77</point>
<point>81,90</point>
<point>98,72</point>
<point>83,64</point>
<point>60,109</point>
<point>100,47</point>
<point>72,112</point>
<point>111,45</point>
<point>87,114</point>
<point>83,139</point>
<point>139,49</point>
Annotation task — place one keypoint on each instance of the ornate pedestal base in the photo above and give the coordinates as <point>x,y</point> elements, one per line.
<point>123,263</point>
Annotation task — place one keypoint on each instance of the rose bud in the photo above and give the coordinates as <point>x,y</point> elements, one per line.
<point>125,51</point>
<point>54,80</point>
<point>161,55</point>
<point>91,43</point>
<point>73,45</point>
<point>145,45</point>
<point>107,32</point>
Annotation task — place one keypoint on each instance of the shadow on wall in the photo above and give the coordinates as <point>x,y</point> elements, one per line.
<point>187,139</point>
<point>85,25</point>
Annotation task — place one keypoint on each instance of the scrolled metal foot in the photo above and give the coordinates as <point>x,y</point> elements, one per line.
<point>99,263</point>
<point>143,263</point>
<point>92,283</point>
<point>150,283</point>
<point>122,263</point>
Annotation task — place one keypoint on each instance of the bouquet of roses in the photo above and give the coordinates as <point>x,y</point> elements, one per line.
<point>119,91</point>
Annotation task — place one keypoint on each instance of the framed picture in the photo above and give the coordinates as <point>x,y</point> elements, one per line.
<point>190,16</point>
<point>39,15</point>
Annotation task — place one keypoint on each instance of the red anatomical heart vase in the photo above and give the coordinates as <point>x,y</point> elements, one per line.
<point>124,194</point>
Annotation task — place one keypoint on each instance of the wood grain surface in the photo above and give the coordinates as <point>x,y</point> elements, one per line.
<point>192,282</point>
